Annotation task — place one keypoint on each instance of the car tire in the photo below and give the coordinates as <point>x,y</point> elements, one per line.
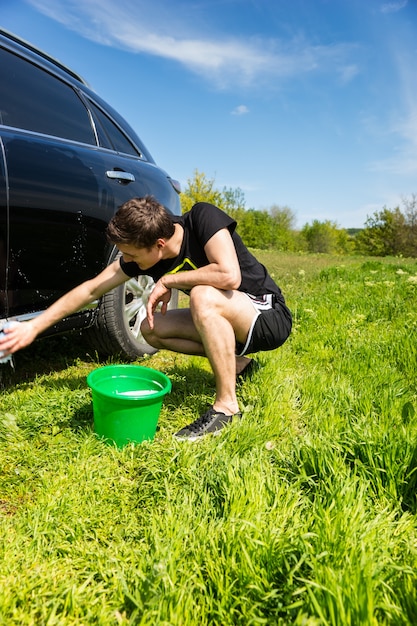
<point>116,330</point>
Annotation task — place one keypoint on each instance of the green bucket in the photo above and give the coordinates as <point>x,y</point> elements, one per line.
<point>127,401</point>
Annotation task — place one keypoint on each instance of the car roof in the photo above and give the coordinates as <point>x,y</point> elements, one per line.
<point>17,43</point>
<point>23,48</point>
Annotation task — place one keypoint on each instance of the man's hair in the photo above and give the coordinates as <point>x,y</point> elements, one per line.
<point>140,222</point>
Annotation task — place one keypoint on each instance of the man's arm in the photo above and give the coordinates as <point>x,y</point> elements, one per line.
<point>23,334</point>
<point>223,272</point>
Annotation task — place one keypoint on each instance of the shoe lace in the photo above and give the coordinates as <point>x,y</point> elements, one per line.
<point>201,421</point>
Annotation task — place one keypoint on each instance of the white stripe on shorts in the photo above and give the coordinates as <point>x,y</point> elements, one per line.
<point>260,303</point>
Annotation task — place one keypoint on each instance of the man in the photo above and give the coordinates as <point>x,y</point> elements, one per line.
<point>235,306</point>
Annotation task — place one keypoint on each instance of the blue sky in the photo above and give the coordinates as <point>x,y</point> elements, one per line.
<point>310,104</point>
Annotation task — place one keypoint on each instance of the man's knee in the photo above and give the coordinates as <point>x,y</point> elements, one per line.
<point>203,296</point>
<point>205,304</point>
<point>149,334</point>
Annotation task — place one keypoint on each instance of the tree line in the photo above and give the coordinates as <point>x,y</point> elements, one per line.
<point>389,232</point>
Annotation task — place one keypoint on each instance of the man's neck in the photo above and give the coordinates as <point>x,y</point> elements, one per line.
<point>173,245</point>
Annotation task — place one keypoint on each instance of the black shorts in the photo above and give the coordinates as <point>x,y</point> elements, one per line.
<point>271,326</point>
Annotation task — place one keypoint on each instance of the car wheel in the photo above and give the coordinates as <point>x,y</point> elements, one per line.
<point>116,330</point>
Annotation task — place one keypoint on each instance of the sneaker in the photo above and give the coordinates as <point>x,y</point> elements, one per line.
<point>211,421</point>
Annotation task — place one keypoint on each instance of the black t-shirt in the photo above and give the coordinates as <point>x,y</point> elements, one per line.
<point>199,225</point>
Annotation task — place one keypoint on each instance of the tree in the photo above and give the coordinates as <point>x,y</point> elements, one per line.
<point>283,217</point>
<point>233,202</point>
<point>385,233</point>
<point>253,225</point>
<point>410,211</point>
<point>322,236</point>
<point>391,231</point>
<point>258,229</point>
<point>283,236</point>
<point>200,189</point>
<point>255,228</point>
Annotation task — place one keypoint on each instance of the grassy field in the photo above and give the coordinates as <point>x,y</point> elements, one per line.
<point>304,513</point>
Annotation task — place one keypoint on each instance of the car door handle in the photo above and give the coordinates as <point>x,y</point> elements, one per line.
<point>125,177</point>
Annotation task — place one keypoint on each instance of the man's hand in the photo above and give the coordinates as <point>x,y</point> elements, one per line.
<point>159,295</point>
<point>18,336</point>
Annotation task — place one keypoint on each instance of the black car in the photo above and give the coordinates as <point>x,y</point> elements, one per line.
<point>67,162</point>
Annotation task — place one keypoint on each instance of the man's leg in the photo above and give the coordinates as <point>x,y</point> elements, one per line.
<point>209,328</point>
<point>174,331</point>
<point>221,318</point>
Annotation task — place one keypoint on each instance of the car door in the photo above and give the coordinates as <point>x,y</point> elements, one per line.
<point>60,203</point>
<point>59,198</point>
<point>3,232</point>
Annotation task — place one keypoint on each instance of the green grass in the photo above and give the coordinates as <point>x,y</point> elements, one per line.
<point>304,513</point>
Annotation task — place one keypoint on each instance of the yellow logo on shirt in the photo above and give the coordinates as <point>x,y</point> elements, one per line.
<point>185,266</point>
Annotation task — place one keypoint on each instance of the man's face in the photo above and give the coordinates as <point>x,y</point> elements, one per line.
<point>143,257</point>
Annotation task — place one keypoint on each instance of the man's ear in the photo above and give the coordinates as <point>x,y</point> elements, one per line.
<point>161,243</point>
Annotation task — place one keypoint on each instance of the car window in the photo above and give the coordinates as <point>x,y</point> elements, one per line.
<point>33,99</point>
<point>114,134</point>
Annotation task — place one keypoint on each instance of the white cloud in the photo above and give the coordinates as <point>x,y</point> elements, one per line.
<point>393,7</point>
<point>403,159</point>
<point>402,124</point>
<point>348,73</point>
<point>147,28</point>
<point>242,109</point>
